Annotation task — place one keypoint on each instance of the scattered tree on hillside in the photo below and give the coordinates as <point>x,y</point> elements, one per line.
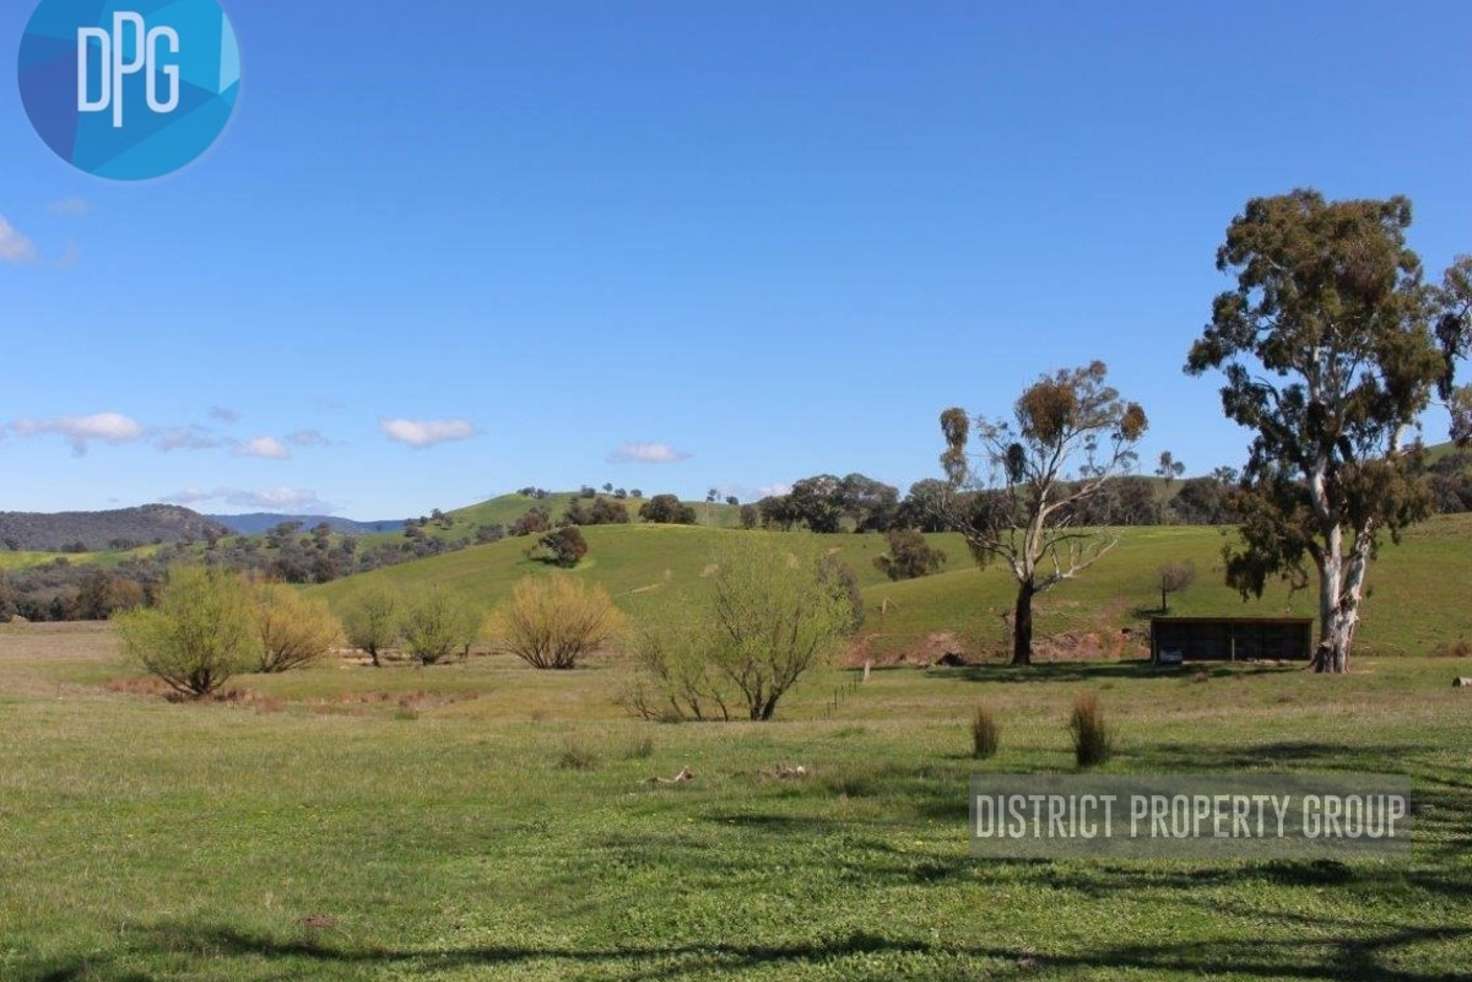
<point>279,535</point>
<point>485,534</point>
<point>1329,358</point>
<point>823,502</point>
<point>1169,468</point>
<point>666,509</point>
<point>924,508</point>
<point>1174,578</point>
<point>562,547</point>
<point>201,631</point>
<point>909,556</point>
<point>534,521</point>
<point>1020,504</point>
<point>750,517</point>
<point>602,511</point>
<point>733,501</point>
<point>1203,501</point>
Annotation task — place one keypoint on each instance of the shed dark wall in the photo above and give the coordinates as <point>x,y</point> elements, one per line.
<point>1244,640</point>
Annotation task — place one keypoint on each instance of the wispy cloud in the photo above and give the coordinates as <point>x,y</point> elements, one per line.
<point>299,500</point>
<point>647,453</point>
<point>308,438</point>
<point>185,438</point>
<point>774,490</point>
<point>224,414</point>
<point>15,247</point>
<point>82,431</point>
<point>266,447</point>
<point>72,207</point>
<point>426,432</point>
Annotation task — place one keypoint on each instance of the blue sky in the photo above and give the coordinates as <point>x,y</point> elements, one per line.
<point>741,245</point>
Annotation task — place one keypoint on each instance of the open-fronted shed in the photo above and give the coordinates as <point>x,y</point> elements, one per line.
<point>1231,638</point>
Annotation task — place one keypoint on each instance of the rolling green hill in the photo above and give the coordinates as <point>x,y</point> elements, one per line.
<point>1418,590</point>
<point>507,508</point>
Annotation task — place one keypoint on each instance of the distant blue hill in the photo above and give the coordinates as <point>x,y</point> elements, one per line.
<point>255,524</point>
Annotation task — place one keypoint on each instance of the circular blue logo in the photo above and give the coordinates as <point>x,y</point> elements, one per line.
<point>129,89</point>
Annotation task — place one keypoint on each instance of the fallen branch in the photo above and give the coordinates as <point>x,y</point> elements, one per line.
<point>685,775</point>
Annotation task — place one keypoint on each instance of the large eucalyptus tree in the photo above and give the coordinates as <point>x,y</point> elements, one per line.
<point>1330,359</point>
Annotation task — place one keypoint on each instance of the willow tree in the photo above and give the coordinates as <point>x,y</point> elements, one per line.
<point>1329,357</point>
<point>1017,498</point>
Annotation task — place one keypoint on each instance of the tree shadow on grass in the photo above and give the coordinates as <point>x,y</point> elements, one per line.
<point>1097,671</point>
<point>1329,950</point>
<point>1282,754</point>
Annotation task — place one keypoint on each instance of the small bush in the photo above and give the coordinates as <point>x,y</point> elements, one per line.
<point>986,737</point>
<point>641,749</point>
<point>201,632</point>
<point>552,621</point>
<point>372,622</point>
<point>770,618</point>
<point>295,631</point>
<point>1461,648</point>
<point>1093,743</point>
<point>436,625</point>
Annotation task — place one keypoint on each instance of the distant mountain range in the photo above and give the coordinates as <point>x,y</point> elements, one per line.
<point>95,531</point>
<point>258,522</point>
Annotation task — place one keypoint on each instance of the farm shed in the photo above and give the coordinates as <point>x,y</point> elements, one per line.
<point>1231,638</point>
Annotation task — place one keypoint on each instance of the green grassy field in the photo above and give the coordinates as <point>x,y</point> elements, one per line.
<point>346,822</point>
<point>1418,597</point>
<point>25,560</point>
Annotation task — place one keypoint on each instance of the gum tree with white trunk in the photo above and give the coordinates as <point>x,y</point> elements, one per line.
<point>1330,360</point>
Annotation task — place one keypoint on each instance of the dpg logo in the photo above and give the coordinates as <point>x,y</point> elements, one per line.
<point>129,89</point>
<point>115,67</point>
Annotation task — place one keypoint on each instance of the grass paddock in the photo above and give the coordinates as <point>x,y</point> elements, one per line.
<point>482,819</point>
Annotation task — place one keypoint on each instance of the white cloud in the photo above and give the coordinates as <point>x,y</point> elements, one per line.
<point>267,447</point>
<point>426,432</point>
<point>15,247</point>
<point>647,453</point>
<point>80,431</point>
<point>774,490</point>
<point>224,414</point>
<point>71,207</point>
<point>300,500</point>
<point>185,438</point>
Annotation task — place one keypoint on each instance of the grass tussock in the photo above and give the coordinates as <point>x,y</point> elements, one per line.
<point>576,755</point>
<point>640,749</point>
<point>986,736</point>
<point>1093,740</point>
